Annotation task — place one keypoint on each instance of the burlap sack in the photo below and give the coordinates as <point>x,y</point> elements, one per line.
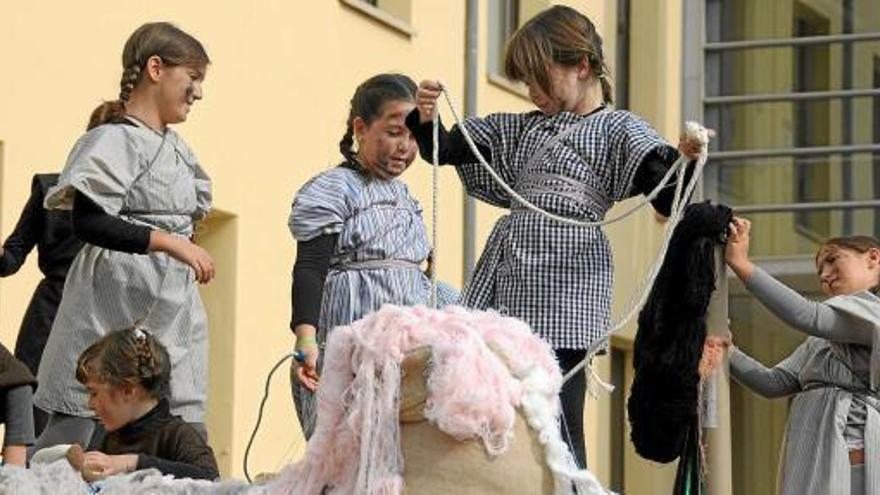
<point>436,463</point>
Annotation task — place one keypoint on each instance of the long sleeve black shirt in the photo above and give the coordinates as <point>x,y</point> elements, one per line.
<point>51,232</point>
<point>91,224</point>
<point>164,442</point>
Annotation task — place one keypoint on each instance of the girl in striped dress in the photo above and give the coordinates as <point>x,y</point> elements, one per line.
<point>832,437</point>
<point>136,190</point>
<point>572,156</point>
<point>360,235</point>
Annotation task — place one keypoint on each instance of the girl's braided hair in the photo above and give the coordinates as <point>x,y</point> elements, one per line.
<point>131,356</point>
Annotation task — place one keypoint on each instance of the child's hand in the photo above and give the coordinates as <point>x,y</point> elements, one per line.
<point>689,146</point>
<point>724,340</point>
<point>98,465</point>
<point>185,251</point>
<point>426,99</point>
<point>736,253</point>
<point>307,370</point>
<point>200,261</point>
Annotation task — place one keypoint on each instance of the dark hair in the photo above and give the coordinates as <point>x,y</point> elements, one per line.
<point>162,39</point>
<point>559,34</point>
<point>131,356</point>
<point>369,99</point>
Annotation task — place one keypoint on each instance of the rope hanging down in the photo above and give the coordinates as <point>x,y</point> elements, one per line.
<point>683,192</point>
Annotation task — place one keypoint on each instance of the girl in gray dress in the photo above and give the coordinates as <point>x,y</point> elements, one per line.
<point>359,232</point>
<point>832,439</point>
<point>135,189</point>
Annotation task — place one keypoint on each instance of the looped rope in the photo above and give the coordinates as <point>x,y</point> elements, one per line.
<point>683,191</point>
<point>435,192</point>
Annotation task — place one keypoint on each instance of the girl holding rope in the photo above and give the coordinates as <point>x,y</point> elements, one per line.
<point>360,235</point>
<point>573,157</point>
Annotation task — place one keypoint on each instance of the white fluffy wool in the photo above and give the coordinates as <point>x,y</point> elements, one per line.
<point>60,478</point>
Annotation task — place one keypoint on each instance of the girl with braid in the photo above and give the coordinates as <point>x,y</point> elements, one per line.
<point>360,235</point>
<point>136,190</point>
<point>127,374</point>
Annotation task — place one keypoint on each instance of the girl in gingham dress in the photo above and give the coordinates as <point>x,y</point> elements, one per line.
<point>136,190</point>
<point>574,157</point>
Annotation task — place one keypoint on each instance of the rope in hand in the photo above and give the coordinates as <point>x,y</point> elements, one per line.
<point>435,192</point>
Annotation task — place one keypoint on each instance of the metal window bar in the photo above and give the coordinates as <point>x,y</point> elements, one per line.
<point>788,42</point>
<point>794,96</point>
<point>729,156</point>
<point>815,206</point>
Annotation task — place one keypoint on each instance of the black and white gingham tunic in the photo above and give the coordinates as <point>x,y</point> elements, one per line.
<point>145,178</point>
<point>556,277</point>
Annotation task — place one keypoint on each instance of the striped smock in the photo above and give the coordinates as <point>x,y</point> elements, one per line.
<point>381,243</point>
<point>150,179</point>
<point>832,411</point>
<point>376,260</point>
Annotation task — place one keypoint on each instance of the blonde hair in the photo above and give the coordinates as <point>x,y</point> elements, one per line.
<point>559,35</point>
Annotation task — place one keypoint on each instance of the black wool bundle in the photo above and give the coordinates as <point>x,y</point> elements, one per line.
<point>672,329</point>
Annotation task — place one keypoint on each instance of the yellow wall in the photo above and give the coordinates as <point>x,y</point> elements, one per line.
<point>275,105</point>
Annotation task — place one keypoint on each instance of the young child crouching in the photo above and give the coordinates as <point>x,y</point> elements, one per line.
<point>127,374</point>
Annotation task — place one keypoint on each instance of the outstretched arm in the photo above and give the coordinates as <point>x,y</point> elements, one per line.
<point>766,382</point>
<point>810,317</point>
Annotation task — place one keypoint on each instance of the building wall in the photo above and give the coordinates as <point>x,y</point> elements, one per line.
<point>276,98</point>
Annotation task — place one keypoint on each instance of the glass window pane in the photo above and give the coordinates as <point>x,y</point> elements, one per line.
<point>788,124</point>
<point>760,19</point>
<point>792,233</point>
<point>789,69</point>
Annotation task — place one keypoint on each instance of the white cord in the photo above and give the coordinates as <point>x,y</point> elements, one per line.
<point>435,192</point>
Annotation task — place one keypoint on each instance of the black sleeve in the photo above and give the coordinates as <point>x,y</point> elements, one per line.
<point>309,272</point>
<point>454,150</point>
<point>190,457</point>
<point>176,469</point>
<point>651,172</point>
<point>26,234</point>
<point>91,224</point>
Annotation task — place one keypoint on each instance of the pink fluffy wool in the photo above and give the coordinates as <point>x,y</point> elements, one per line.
<point>472,393</point>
